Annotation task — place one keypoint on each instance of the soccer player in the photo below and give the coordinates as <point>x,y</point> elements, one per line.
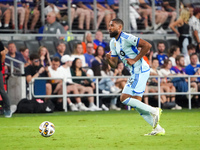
<point>124,46</point>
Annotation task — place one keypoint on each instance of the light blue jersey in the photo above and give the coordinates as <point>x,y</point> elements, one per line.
<point>126,47</point>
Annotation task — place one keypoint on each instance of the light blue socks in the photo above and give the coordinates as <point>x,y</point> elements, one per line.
<point>141,108</point>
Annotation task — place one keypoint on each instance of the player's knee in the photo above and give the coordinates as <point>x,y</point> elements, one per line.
<point>123,97</point>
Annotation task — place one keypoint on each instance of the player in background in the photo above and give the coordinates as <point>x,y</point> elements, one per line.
<point>124,46</point>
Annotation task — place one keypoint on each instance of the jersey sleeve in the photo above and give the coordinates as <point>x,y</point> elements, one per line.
<point>112,48</point>
<point>133,40</point>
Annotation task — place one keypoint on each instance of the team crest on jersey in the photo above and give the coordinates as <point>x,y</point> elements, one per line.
<point>122,53</point>
<point>115,44</point>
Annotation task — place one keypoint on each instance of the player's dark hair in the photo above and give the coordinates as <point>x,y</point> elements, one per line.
<point>178,57</point>
<point>191,46</point>
<point>56,59</point>
<point>118,21</point>
<point>34,56</point>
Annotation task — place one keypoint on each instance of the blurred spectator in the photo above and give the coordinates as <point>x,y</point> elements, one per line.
<point>76,70</point>
<point>160,53</point>
<point>57,84</point>
<point>12,52</point>
<point>78,53</point>
<point>35,69</point>
<point>89,54</point>
<point>193,68</point>
<point>136,12</point>
<point>108,84</point>
<point>88,12</point>
<point>194,23</point>
<point>53,27</point>
<point>99,54</point>
<point>183,30</point>
<point>100,42</point>
<point>31,10</point>
<point>166,72</point>
<point>109,13</point>
<point>87,37</point>
<point>119,71</point>
<point>181,84</point>
<point>5,12</point>
<point>52,8</point>
<point>20,11</point>
<point>160,15</point>
<point>173,52</point>
<point>114,4</point>
<point>25,53</point>
<point>66,74</point>
<point>44,56</point>
<point>61,48</point>
<point>169,9</point>
<point>191,48</point>
<point>88,5</point>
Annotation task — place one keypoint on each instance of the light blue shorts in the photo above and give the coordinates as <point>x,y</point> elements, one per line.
<point>136,84</point>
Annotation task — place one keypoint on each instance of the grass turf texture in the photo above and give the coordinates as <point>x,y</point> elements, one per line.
<point>100,131</point>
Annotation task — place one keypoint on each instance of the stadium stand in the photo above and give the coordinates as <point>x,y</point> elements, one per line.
<point>32,45</point>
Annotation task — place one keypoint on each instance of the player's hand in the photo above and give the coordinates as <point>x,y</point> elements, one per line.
<point>108,55</point>
<point>130,61</point>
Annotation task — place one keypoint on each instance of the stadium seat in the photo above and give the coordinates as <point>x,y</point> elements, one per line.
<point>72,43</point>
<point>153,46</point>
<point>18,43</point>
<point>172,42</point>
<point>50,45</point>
<point>68,52</point>
<point>32,45</point>
<point>156,41</point>
<point>5,43</point>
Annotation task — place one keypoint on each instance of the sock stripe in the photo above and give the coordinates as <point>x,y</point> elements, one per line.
<point>126,101</point>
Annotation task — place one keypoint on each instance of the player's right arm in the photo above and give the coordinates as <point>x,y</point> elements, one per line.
<point>112,57</point>
<point>111,60</point>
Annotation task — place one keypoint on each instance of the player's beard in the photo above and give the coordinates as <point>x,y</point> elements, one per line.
<point>114,34</point>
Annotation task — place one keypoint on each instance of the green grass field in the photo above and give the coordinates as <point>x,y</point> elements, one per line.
<point>101,131</point>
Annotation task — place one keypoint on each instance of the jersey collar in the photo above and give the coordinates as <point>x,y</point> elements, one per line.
<point>119,36</point>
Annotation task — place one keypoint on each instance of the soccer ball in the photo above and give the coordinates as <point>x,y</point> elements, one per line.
<point>46,129</point>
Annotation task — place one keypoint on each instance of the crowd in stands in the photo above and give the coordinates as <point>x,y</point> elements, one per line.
<point>82,14</point>
<point>87,57</point>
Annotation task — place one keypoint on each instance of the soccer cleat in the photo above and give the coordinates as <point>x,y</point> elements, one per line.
<point>156,117</point>
<point>156,133</point>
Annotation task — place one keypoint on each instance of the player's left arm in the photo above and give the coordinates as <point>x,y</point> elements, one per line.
<point>145,47</point>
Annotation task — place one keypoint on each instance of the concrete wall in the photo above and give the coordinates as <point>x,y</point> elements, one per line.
<point>16,89</point>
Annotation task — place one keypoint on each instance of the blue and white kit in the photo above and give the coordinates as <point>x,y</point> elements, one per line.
<point>126,47</point>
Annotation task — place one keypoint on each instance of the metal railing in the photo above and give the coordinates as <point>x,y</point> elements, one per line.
<point>13,68</point>
<point>97,94</point>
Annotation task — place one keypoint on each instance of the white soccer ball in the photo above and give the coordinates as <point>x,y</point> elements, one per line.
<point>46,129</point>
